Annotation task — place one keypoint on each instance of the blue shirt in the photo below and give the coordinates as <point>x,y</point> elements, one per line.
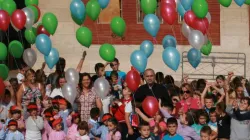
<point>176,137</point>
<point>197,128</point>
<point>121,76</point>
<point>8,135</point>
<point>102,130</point>
<point>95,126</point>
<point>64,114</point>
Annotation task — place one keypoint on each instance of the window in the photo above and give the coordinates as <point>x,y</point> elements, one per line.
<point>180,19</point>
<point>112,10</point>
<point>141,15</point>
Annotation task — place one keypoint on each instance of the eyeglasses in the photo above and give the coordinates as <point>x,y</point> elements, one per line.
<point>112,65</point>
<point>175,100</point>
<point>187,91</point>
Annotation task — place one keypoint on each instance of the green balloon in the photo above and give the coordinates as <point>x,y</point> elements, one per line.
<point>78,21</point>
<point>148,6</point>
<point>118,26</point>
<point>3,51</point>
<point>30,35</point>
<point>35,11</point>
<point>107,52</point>
<point>84,36</point>
<point>9,6</point>
<point>207,48</point>
<point>50,22</point>
<point>200,8</point>
<point>4,71</point>
<point>31,2</point>
<point>225,3</point>
<point>93,9</point>
<point>247,2</point>
<point>16,49</point>
<point>1,2</point>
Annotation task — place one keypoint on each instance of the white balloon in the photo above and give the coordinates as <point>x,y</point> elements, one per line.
<point>29,57</point>
<point>69,92</point>
<point>30,17</point>
<point>101,87</point>
<point>196,39</point>
<point>185,29</point>
<point>72,76</point>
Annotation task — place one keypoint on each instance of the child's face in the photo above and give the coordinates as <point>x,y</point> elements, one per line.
<point>16,116</point>
<point>62,81</point>
<point>58,127</point>
<point>101,71</point>
<point>212,117</point>
<point>220,82</point>
<point>12,128</point>
<point>82,132</point>
<point>205,136</point>
<point>202,120</point>
<point>76,120</point>
<point>175,99</point>
<point>209,103</point>
<point>114,78</point>
<point>33,113</point>
<point>239,92</point>
<point>126,92</point>
<point>243,105</point>
<point>111,126</point>
<point>62,107</point>
<point>172,129</point>
<point>145,131</point>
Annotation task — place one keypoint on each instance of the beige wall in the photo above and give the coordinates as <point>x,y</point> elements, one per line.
<point>234,38</point>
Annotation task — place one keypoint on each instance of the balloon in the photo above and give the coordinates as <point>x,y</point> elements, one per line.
<point>103,3</point>
<point>93,9</point>
<point>84,36</point>
<point>148,6</point>
<point>208,16</point>
<point>18,19</point>
<point>52,58</point>
<point>171,58</point>
<point>72,76</point>
<point>169,2</point>
<point>150,106</point>
<point>50,22</point>
<point>4,71</point>
<point>240,2</point>
<point>9,6</point>
<point>201,25</point>
<point>200,8</point>
<point>194,57</point>
<point>30,35</point>
<point>31,2</point>
<point>247,2</point>
<point>169,41</point>
<point>69,92</point>
<point>78,21</point>
<point>42,30</point>
<point>101,87</point>
<point>107,52</point>
<point>3,51</point>
<point>181,9</point>
<point>4,20</point>
<point>139,60</point>
<point>189,18</point>
<point>147,47</point>
<point>36,11</point>
<point>152,24</point>
<point>187,4</point>
<point>77,9</point>
<point>185,29</point>
<point>118,26</point>
<point>16,49</point>
<point>29,57</point>
<point>2,87</point>
<point>207,48</point>
<point>225,3</point>
<point>133,80</point>
<point>196,39</point>
<point>30,17</point>
<point>168,14</point>
<point>43,44</point>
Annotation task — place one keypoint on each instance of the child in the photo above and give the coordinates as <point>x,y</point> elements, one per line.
<point>72,122</point>
<point>34,124</point>
<point>47,119</point>
<point>117,88</point>
<point>15,114</point>
<point>202,120</point>
<point>64,112</point>
<point>206,131</point>
<point>172,126</point>
<point>213,122</point>
<point>56,133</point>
<point>82,131</point>
<point>94,114</point>
<point>11,133</point>
<point>113,134</point>
<point>20,75</point>
<point>103,129</point>
<point>223,122</point>
<point>144,129</point>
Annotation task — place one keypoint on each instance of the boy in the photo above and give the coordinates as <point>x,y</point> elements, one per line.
<point>206,131</point>
<point>172,126</point>
<point>11,133</point>
<point>144,129</point>
<point>94,115</point>
<point>99,70</point>
<point>223,122</point>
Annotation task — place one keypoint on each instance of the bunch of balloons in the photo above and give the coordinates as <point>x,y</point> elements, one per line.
<point>227,3</point>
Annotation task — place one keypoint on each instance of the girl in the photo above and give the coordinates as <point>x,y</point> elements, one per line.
<point>15,114</point>
<point>82,131</point>
<point>202,117</point>
<point>72,122</point>
<point>113,134</point>
<point>47,120</point>
<point>56,133</point>
<point>34,124</point>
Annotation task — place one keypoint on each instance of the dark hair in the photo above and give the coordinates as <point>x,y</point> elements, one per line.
<point>13,80</point>
<point>168,105</point>
<point>40,76</point>
<point>221,77</point>
<point>201,84</point>
<point>113,73</point>
<point>81,78</point>
<point>159,77</point>
<point>7,92</point>
<point>221,106</point>
<point>60,65</point>
<point>172,120</point>
<point>190,117</point>
<point>116,60</point>
<point>247,99</point>
<point>57,81</point>
<point>209,96</point>
<point>206,129</point>
<point>94,112</point>
<point>83,126</point>
<point>169,79</point>
<point>173,90</point>
<point>212,110</point>
<point>194,84</point>
<point>113,121</point>
<point>98,66</point>
<point>143,123</point>
<point>202,113</point>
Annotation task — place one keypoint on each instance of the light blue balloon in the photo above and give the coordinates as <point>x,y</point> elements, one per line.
<point>240,2</point>
<point>187,4</point>
<point>138,59</point>
<point>169,41</point>
<point>171,58</point>
<point>43,44</point>
<point>52,58</point>
<point>151,24</point>
<point>181,9</point>
<point>77,9</point>
<point>147,47</point>
<point>194,57</point>
<point>103,3</point>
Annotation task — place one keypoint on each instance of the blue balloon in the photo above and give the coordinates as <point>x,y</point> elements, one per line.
<point>194,57</point>
<point>103,3</point>
<point>77,9</point>
<point>151,24</point>
<point>52,58</point>
<point>169,41</point>
<point>43,44</point>
<point>147,47</point>
<point>171,58</point>
<point>181,9</point>
<point>138,59</point>
<point>187,4</point>
<point>240,2</point>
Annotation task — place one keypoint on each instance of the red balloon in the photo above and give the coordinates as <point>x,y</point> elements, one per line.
<point>2,86</point>
<point>189,18</point>
<point>168,13</point>
<point>18,19</point>
<point>150,106</point>
<point>39,12</point>
<point>169,2</point>
<point>42,30</point>
<point>4,20</point>
<point>201,25</point>
<point>133,80</point>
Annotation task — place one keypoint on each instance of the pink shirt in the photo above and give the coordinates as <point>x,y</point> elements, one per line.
<point>116,136</point>
<point>190,103</point>
<point>57,135</point>
<point>72,131</point>
<point>44,131</point>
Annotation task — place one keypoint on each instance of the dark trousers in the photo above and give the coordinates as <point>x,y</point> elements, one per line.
<point>124,132</point>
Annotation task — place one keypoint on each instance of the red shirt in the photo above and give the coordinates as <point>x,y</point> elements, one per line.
<point>190,103</point>
<point>119,111</point>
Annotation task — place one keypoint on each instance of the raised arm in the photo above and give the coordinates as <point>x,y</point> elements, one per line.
<point>221,93</point>
<point>204,93</point>
<point>79,66</point>
<point>43,66</point>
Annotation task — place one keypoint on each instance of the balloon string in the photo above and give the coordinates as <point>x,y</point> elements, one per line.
<point>208,33</point>
<point>173,32</point>
<point>155,40</point>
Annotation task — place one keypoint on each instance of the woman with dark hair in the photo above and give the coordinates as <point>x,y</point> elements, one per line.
<point>159,77</point>
<point>87,97</point>
<point>60,81</point>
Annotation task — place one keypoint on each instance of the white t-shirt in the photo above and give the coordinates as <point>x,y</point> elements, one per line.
<point>5,110</point>
<point>20,77</point>
<point>128,107</point>
<point>56,92</point>
<point>84,137</point>
<point>105,104</point>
